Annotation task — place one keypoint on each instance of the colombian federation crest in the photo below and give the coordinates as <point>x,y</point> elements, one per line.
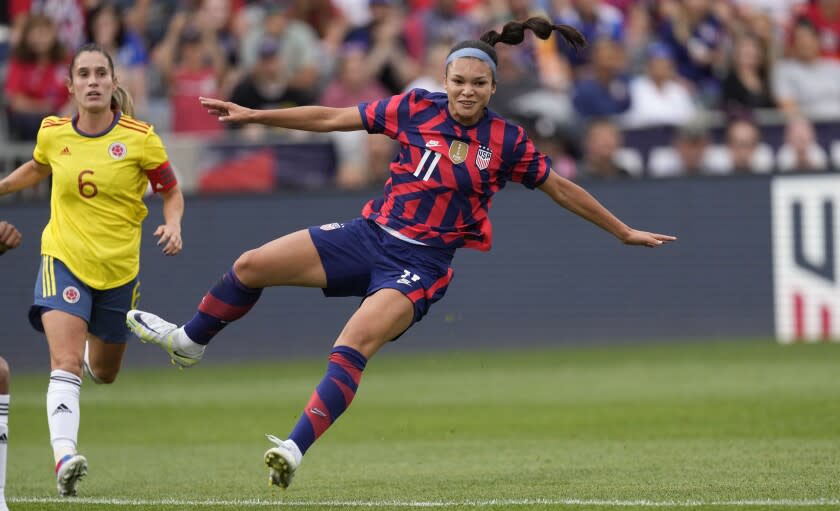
<point>117,150</point>
<point>458,152</point>
<point>482,157</point>
<point>71,294</point>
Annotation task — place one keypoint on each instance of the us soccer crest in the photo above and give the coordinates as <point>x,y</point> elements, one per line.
<point>482,157</point>
<point>458,152</point>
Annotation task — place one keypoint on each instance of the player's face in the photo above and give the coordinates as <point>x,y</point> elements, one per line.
<point>469,85</point>
<point>92,82</point>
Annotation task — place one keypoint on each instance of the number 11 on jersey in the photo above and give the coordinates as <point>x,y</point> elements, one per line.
<point>432,165</point>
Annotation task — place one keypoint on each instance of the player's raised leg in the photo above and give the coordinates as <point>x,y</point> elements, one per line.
<point>66,334</point>
<point>288,261</point>
<point>382,316</point>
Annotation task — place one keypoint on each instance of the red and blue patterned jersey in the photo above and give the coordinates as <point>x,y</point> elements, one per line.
<point>445,174</point>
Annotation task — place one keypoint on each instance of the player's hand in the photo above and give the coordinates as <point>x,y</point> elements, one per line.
<point>646,239</point>
<point>170,238</point>
<point>9,237</point>
<point>225,110</point>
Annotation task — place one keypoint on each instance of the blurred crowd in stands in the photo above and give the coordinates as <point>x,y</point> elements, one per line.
<point>665,87</point>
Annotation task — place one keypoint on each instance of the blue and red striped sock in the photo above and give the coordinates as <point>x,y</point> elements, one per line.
<point>332,396</point>
<point>227,301</point>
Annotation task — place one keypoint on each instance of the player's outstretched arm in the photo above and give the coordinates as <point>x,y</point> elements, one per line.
<point>28,174</point>
<point>307,118</point>
<point>580,202</point>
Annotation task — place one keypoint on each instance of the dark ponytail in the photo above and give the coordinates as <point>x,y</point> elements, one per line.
<point>514,32</point>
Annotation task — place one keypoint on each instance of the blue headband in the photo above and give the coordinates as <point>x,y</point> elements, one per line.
<point>474,53</point>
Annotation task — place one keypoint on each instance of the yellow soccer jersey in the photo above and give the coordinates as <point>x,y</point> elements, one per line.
<point>98,182</point>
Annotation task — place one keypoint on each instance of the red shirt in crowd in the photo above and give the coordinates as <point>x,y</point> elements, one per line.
<point>39,82</point>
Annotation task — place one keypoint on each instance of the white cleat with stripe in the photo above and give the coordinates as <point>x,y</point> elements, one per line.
<point>70,470</point>
<point>153,329</point>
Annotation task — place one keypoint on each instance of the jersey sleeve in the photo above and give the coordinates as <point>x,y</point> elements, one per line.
<point>42,141</point>
<point>388,115</point>
<point>155,163</point>
<point>528,166</point>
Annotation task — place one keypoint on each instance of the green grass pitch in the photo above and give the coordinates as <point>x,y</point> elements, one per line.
<point>740,425</point>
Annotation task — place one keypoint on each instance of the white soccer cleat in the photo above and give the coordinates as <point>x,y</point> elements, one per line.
<point>68,472</point>
<point>153,329</point>
<point>282,462</point>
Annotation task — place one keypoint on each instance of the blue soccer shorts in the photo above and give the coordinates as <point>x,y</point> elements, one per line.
<point>56,288</point>
<point>360,258</point>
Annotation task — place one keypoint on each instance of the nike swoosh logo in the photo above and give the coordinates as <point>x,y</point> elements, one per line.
<point>139,319</point>
<point>317,412</point>
<point>179,354</point>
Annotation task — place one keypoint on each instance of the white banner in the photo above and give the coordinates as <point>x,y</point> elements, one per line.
<point>806,257</point>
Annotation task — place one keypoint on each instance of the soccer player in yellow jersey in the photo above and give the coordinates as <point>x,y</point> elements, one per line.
<point>101,162</point>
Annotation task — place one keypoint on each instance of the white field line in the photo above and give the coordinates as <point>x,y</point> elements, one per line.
<point>424,504</point>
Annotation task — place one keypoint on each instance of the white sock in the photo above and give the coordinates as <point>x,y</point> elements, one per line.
<point>4,439</point>
<point>295,450</point>
<point>185,344</point>
<point>63,412</point>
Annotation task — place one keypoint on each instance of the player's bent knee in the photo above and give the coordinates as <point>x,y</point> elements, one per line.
<point>247,269</point>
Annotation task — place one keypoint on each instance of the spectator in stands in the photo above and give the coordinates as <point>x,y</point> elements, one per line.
<point>539,58</point>
<point>779,12</point>
<point>68,16</point>
<point>742,140</point>
<point>596,20</point>
<point>266,85</point>
<point>824,15</point>
<point>800,151</point>
<point>301,51</point>
<point>362,158</point>
<point>692,142</point>
<point>657,98</point>
<point>638,35</point>
<point>387,55</point>
<point>807,83</point>
<point>747,83</point>
<point>430,77</point>
<point>601,144</point>
<point>440,23</point>
<point>330,22</point>
<point>36,84</point>
<point>192,63</point>
<point>514,83</point>
<point>605,91</point>
<point>354,84</point>
<point>105,27</point>
<point>687,155</point>
<point>695,34</point>
<point>218,16</point>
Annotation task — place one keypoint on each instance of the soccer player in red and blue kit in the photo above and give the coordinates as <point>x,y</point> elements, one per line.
<point>454,155</point>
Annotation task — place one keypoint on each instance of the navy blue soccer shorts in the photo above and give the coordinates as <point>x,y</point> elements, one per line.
<point>360,258</point>
<point>56,288</point>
